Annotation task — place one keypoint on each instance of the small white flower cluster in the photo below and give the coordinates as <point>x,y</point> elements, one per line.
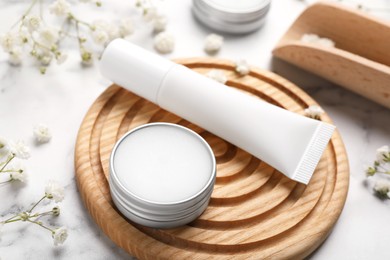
<point>242,67</point>
<point>317,40</point>
<point>10,155</point>
<point>53,191</point>
<point>42,133</point>
<point>11,152</point>
<point>41,37</point>
<point>314,111</point>
<point>217,75</point>
<point>381,166</point>
<point>213,43</point>
<point>382,188</point>
<point>164,42</point>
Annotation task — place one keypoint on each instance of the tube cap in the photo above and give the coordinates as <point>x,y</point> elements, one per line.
<point>134,68</point>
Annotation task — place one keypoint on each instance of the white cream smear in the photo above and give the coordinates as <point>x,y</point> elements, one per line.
<point>163,163</point>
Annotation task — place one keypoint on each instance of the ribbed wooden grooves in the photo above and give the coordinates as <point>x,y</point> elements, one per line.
<point>255,212</point>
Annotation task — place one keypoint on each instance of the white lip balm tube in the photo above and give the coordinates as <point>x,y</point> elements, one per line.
<point>291,143</point>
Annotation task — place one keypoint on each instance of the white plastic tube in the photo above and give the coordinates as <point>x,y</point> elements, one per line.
<point>291,143</point>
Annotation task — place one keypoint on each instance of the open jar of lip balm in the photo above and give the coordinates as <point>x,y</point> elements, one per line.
<point>162,175</point>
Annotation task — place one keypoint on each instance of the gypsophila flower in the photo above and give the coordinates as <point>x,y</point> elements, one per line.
<point>126,27</point>
<point>314,111</point>
<point>100,37</point>
<point>164,42</point>
<point>48,36</point>
<point>32,22</point>
<point>46,58</point>
<point>160,23</point>
<point>217,75</point>
<point>383,154</point>
<point>54,191</point>
<point>20,149</point>
<point>61,58</point>
<point>370,171</point>
<point>60,235</point>
<point>317,40</point>
<point>56,211</point>
<point>17,171</point>
<point>242,67</point>
<point>150,13</point>
<point>9,41</point>
<point>15,56</point>
<point>60,8</point>
<point>86,57</point>
<point>213,43</point>
<point>5,148</point>
<point>382,188</point>
<point>42,133</point>
<point>109,28</point>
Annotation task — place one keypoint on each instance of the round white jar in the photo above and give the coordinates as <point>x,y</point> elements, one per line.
<point>162,175</point>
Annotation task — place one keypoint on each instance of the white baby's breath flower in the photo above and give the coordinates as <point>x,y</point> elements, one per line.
<point>213,43</point>
<point>61,58</point>
<point>164,42</point>
<point>32,22</point>
<point>217,75</point>
<point>46,58</point>
<point>54,191</point>
<point>150,13</point>
<point>314,111</point>
<point>86,57</point>
<point>100,37</point>
<point>383,154</point>
<point>48,36</point>
<point>9,41</point>
<point>109,28</point>
<point>42,133</point>
<point>126,27</point>
<point>315,39</point>
<point>382,188</point>
<point>15,56</point>
<point>60,8</point>
<point>19,172</point>
<point>60,235</point>
<point>160,23</point>
<point>20,149</point>
<point>5,148</point>
<point>242,67</point>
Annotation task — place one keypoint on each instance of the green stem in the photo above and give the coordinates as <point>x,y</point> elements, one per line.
<point>10,170</point>
<point>12,220</point>
<point>9,159</point>
<point>25,13</point>
<point>36,204</point>
<point>42,214</point>
<point>78,21</point>
<point>40,224</point>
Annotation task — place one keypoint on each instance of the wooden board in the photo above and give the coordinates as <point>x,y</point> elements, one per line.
<point>255,212</point>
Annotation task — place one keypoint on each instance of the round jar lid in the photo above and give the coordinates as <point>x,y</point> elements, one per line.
<point>162,171</point>
<point>231,16</point>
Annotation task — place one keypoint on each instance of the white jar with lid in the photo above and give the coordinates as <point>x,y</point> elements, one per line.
<point>231,16</point>
<point>162,175</point>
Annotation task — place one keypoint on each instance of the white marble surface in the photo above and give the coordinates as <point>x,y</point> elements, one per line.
<point>62,96</point>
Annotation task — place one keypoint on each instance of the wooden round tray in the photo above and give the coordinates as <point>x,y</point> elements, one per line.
<point>255,212</point>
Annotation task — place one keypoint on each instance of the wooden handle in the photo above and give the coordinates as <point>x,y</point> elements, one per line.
<point>361,59</point>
